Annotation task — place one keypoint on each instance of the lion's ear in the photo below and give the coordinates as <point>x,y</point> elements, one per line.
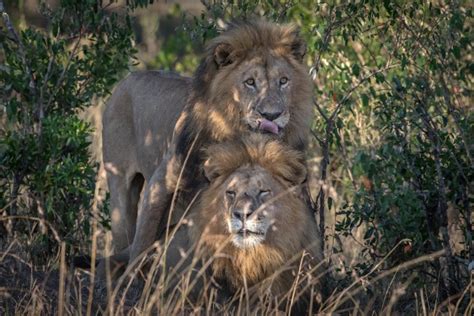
<point>222,54</point>
<point>297,173</point>
<point>298,46</point>
<point>300,174</point>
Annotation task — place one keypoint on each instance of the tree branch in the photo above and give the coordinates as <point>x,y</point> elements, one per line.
<point>66,67</point>
<point>447,263</point>
<point>320,110</point>
<point>330,124</point>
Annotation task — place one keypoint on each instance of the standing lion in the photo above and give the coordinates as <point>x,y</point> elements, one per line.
<point>251,80</point>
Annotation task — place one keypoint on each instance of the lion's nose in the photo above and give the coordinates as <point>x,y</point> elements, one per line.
<point>243,214</point>
<point>270,115</point>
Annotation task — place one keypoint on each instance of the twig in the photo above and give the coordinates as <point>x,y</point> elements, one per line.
<point>36,219</point>
<point>320,110</point>
<point>332,25</point>
<point>17,180</point>
<point>330,125</point>
<point>40,109</point>
<point>62,279</point>
<point>356,86</point>
<point>41,213</point>
<point>327,35</point>
<point>342,297</point>
<point>98,202</point>
<point>66,67</point>
<point>319,139</point>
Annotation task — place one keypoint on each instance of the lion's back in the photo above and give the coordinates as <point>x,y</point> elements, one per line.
<point>139,119</point>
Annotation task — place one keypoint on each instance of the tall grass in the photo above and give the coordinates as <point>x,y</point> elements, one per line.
<point>187,288</point>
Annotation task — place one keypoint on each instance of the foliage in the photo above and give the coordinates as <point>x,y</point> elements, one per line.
<point>177,52</point>
<point>47,76</point>
<point>392,121</point>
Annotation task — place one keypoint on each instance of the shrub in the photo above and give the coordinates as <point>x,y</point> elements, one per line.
<point>393,125</point>
<point>48,76</point>
<point>393,122</point>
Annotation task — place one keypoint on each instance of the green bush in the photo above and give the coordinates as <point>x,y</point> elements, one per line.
<point>393,122</point>
<point>57,174</point>
<point>47,77</point>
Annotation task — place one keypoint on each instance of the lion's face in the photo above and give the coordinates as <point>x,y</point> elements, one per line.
<point>262,90</point>
<point>250,209</point>
<point>254,79</point>
<point>250,219</point>
<point>254,184</point>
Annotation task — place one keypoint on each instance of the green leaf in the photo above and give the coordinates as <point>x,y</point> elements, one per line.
<point>356,70</point>
<point>365,100</point>
<point>379,77</point>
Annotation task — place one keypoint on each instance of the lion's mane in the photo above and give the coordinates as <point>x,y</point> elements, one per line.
<point>294,233</point>
<point>213,113</point>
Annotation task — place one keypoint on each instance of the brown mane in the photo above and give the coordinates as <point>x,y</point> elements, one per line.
<point>246,37</point>
<point>155,125</point>
<point>296,232</point>
<point>283,162</point>
<point>210,109</point>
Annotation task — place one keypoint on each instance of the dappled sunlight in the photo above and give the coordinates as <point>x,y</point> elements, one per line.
<point>149,138</point>
<point>115,215</point>
<point>236,95</point>
<point>111,167</point>
<point>220,123</point>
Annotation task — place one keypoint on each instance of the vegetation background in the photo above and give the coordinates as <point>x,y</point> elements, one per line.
<point>392,153</point>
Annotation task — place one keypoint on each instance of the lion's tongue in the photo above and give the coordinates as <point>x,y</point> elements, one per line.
<point>268,126</point>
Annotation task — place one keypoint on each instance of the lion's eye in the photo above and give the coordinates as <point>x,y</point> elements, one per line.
<point>283,81</point>
<point>250,82</point>
<point>230,194</point>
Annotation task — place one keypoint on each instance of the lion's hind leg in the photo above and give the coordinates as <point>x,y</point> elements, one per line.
<point>124,199</point>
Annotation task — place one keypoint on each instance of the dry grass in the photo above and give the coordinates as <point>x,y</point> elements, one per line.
<point>57,288</point>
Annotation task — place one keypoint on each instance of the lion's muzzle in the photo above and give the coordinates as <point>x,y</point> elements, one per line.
<point>268,126</point>
<point>248,224</point>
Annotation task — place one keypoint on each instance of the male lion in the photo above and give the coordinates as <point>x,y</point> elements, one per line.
<point>251,80</point>
<point>249,226</point>
<point>251,218</point>
<point>250,223</point>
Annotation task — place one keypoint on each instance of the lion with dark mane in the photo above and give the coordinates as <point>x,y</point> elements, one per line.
<point>249,227</point>
<point>251,218</point>
<point>252,80</point>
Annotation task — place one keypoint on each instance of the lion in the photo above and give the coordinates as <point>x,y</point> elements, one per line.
<point>252,79</point>
<point>250,224</point>
<point>252,218</point>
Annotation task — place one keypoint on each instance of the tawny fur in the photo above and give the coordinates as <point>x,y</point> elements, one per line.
<point>155,122</point>
<point>211,97</point>
<point>294,231</point>
<point>270,267</point>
